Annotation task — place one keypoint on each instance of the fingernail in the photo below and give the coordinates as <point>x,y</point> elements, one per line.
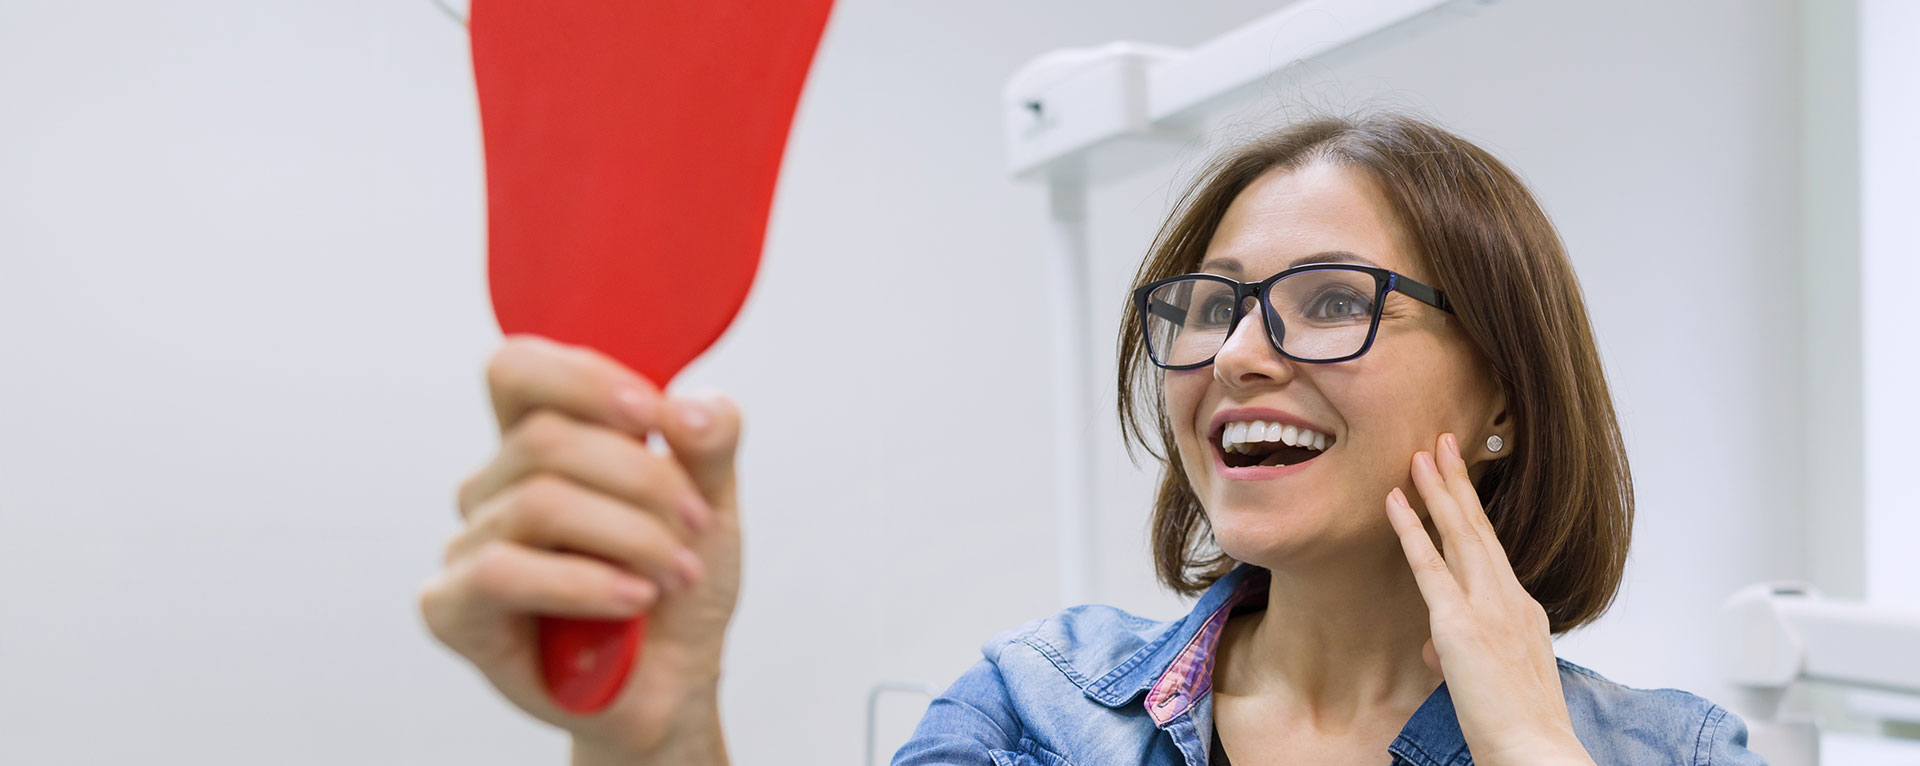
<point>1398,496</point>
<point>640,409</point>
<point>688,565</point>
<point>634,593</point>
<point>694,415</point>
<point>1452,448</point>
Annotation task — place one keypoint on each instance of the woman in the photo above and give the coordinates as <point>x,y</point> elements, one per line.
<point>1393,473</point>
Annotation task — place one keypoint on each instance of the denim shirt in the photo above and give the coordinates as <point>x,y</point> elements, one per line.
<point>1096,686</point>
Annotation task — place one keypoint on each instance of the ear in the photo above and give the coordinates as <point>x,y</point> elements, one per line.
<point>1496,422</point>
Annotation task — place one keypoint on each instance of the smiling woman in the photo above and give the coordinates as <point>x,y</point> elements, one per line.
<point>1338,317</point>
<point>1429,203</point>
<point>1464,297</point>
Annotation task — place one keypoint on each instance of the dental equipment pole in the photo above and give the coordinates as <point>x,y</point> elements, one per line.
<point>1076,118</point>
<point>1786,633</point>
<point>1073,488</point>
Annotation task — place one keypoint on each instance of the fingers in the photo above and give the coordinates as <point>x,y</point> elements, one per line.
<point>1461,541</point>
<point>703,431</point>
<point>547,512</point>
<point>1472,514</point>
<point>529,371</point>
<point>509,578</point>
<point>1430,570</point>
<point>548,442</point>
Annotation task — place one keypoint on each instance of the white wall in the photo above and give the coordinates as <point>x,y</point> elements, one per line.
<point>1889,272</point>
<point>244,320</point>
<point>1831,305</point>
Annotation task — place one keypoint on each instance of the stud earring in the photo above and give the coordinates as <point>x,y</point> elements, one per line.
<point>1494,443</point>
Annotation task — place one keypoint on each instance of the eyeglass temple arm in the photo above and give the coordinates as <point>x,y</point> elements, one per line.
<point>1166,311</point>
<point>1419,292</point>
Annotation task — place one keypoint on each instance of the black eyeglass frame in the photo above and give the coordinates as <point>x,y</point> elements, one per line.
<point>1385,281</point>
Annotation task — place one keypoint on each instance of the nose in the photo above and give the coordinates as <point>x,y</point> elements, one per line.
<point>1248,357</point>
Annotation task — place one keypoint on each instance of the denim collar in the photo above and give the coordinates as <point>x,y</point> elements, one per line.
<point>1135,675</point>
<point>1173,670</point>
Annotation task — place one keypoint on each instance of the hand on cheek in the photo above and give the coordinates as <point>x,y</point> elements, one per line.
<point>1491,639</point>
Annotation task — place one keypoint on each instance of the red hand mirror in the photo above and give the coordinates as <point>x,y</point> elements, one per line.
<point>631,152</point>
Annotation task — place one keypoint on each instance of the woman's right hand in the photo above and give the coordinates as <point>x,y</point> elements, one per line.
<point>576,516</point>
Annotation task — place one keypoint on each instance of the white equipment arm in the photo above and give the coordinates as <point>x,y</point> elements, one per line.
<point>1781,634</point>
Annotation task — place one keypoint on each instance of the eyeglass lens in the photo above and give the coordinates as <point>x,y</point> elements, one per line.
<point>1324,314</point>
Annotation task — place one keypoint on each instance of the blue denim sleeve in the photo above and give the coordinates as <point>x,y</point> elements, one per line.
<point>1723,741</point>
<point>963,725</point>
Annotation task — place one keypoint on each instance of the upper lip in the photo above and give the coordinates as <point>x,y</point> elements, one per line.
<point>1242,414</point>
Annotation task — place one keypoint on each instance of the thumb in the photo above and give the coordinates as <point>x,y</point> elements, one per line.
<point>703,430</point>
<point>1431,656</point>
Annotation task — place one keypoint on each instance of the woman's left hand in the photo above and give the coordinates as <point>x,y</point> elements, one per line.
<point>1491,640</point>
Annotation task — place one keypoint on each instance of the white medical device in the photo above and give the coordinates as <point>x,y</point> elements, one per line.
<point>1782,634</point>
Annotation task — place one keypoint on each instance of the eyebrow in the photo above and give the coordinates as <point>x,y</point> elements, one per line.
<point>1331,256</point>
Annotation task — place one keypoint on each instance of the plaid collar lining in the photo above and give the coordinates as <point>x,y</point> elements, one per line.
<point>1190,676</point>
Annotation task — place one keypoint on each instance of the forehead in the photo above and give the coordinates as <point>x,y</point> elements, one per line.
<point>1317,213</point>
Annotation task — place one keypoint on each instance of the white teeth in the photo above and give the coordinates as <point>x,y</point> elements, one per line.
<point>1236,436</point>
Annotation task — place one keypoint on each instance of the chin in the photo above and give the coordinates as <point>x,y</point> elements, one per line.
<point>1260,537</point>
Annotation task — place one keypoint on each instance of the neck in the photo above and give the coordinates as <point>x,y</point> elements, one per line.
<point>1341,636</point>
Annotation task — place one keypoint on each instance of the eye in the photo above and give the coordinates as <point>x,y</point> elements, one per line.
<point>1216,312</point>
<point>1339,303</point>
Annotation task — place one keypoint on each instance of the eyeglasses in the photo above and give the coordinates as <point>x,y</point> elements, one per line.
<point>1318,313</point>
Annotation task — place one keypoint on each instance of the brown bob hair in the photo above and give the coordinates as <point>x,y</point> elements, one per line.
<point>1562,500</point>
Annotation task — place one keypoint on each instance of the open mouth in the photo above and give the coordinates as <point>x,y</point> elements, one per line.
<point>1269,448</point>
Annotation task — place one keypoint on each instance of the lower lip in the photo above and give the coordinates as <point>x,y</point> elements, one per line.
<point>1258,472</point>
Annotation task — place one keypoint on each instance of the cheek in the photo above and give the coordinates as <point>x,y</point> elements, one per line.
<point>1381,410</point>
<point>1395,410</point>
<point>1184,390</point>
